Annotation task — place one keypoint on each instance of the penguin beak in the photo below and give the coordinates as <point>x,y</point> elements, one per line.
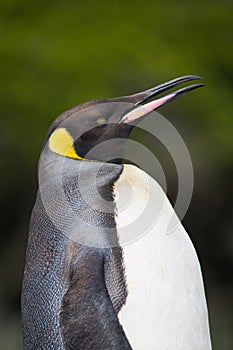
<point>144,109</point>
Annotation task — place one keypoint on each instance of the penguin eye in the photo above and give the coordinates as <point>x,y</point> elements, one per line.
<point>101,120</point>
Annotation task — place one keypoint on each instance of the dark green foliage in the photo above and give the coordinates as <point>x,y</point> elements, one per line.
<point>56,54</point>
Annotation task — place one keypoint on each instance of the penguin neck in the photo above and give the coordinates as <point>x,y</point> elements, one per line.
<point>83,190</point>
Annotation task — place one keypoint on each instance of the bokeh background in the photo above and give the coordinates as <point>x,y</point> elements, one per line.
<point>56,54</point>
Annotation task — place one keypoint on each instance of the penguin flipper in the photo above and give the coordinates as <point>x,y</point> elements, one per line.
<point>88,320</point>
<point>115,279</point>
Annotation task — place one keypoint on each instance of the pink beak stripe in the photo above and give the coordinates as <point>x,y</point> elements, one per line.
<point>147,108</point>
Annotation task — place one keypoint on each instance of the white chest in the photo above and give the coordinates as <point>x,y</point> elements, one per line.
<point>166,306</point>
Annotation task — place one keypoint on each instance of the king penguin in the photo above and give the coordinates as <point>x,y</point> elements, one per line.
<point>101,271</point>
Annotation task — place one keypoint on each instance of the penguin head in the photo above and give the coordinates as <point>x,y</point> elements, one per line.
<point>99,129</point>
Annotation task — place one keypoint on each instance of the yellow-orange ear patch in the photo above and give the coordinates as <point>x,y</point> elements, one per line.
<point>61,142</point>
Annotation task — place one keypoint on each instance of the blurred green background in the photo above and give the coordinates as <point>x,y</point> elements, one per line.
<point>56,54</point>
